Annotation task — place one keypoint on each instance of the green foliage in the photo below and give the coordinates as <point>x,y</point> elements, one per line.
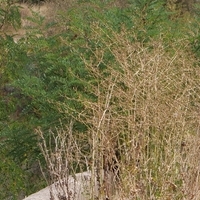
<point>9,15</point>
<point>12,179</point>
<point>150,18</point>
<point>194,35</point>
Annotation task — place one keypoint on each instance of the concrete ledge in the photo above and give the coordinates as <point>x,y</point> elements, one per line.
<point>79,187</point>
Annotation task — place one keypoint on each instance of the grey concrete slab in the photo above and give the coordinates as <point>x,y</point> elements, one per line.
<point>79,188</point>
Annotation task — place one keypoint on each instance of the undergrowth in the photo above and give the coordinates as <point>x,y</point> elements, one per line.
<point>111,88</point>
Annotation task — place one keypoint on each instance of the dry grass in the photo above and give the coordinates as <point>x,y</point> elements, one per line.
<point>61,154</point>
<point>145,123</point>
<point>147,110</point>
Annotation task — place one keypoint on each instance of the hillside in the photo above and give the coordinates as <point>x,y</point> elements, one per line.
<point>110,87</point>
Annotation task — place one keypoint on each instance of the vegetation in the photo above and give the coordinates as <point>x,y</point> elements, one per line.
<point>109,86</point>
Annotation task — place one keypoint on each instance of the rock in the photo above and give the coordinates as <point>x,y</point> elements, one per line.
<point>79,188</point>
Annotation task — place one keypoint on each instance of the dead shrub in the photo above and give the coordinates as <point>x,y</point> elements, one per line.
<point>143,127</point>
<point>147,106</point>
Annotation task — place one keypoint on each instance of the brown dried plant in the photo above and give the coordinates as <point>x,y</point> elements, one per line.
<point>145,118</point>
<point>60,152</point>
<point>143,128</point>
